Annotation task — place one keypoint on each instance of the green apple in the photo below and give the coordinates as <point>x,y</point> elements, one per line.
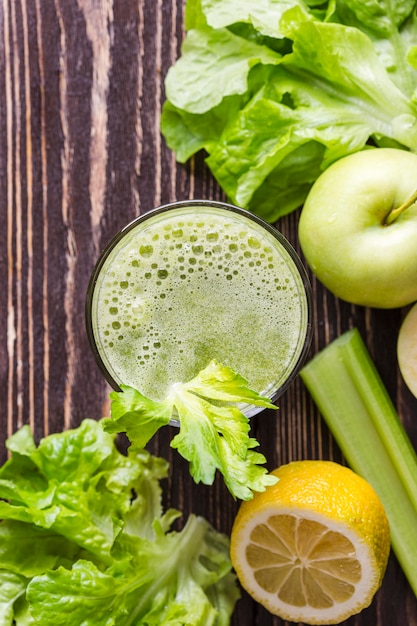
<point>407,350</point>
<point>358,228</point>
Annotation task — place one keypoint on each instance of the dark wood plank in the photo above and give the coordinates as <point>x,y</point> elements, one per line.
<point>81,90</point>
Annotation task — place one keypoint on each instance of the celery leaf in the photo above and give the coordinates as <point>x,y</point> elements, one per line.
<point>213,429</point>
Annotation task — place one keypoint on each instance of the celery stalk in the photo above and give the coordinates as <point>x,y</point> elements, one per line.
<point>344,383</point>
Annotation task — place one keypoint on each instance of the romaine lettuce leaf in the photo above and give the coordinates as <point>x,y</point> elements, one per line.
<point>62,485</point>
<point>84,537</point>
<point>264,15</point>
<point>340,106</point>
<point>181,586</point>
<point>346,80</point>
<point>29,550</point>
<point>167,581</point>
<point>221,61</point>
<point>12,587</point>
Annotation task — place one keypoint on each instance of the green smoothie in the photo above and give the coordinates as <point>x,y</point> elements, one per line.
<point>185,285</point>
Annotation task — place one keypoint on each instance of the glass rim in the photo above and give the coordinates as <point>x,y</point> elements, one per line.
<point>249,410</point>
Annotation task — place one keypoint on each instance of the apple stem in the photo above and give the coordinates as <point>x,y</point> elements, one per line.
<point>392,215</point>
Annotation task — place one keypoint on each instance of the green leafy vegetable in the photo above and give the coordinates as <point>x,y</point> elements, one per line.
<point>276,90</point>
<point>351,396</point>
<point>213,430</point>
<point>83,536</point>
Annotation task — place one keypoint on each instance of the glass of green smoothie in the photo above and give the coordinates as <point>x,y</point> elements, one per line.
<point>196,281</point>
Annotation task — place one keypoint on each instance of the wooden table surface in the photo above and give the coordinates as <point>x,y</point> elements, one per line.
<point>81,89</point>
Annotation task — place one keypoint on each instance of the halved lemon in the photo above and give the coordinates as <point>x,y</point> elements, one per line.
<point>314,547</point>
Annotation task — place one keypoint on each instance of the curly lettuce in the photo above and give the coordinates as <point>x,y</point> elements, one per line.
<point>274,91</point>
<point>84,539</point>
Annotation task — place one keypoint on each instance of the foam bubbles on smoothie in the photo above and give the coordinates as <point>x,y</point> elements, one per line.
<point>183,292</point>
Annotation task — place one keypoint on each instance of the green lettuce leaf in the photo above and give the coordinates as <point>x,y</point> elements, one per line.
<point>12,587</point>
<point>264,15</point>
<point>289,113</point>
<point>203,50</point>
<point>213,429</point>
<point>340,77</point>
<point>29,550</point>
<point>84,537</point>
<point>171,580</point>
<point>62,485</point>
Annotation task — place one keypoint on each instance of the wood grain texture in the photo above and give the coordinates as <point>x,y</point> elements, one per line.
<point>81,90</point>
